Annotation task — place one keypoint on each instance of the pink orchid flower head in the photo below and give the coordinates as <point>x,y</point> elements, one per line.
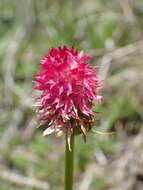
<point>68,87</point>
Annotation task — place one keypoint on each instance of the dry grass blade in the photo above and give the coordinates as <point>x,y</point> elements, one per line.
<point>92,170</point>
<point>22,180</point>
<point>117,54</point>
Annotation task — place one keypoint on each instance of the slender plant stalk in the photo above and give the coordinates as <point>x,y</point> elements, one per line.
<point>69,163</point>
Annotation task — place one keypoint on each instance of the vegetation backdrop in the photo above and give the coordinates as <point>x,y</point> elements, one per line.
<point>110,31</point>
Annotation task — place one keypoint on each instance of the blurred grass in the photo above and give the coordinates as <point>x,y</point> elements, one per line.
<point>27,29</point>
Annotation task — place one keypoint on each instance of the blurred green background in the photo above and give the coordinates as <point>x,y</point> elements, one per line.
<point>110,31</point>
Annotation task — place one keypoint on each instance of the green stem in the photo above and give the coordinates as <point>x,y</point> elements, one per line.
<point>69,159</point>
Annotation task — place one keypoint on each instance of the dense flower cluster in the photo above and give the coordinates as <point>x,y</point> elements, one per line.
<point>68,87</point>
